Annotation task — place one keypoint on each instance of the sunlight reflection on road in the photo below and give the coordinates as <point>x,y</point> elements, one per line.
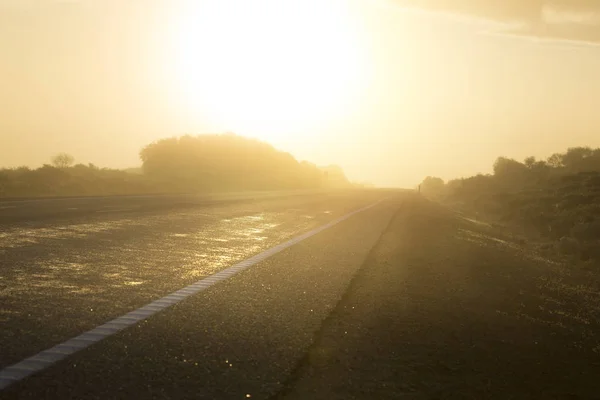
<point>93,258</point>
<point>19,237</point>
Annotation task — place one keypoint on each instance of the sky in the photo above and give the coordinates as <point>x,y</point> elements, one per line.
<point>390,90</point>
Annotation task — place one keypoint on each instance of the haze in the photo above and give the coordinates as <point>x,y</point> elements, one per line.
<point>389,93</point>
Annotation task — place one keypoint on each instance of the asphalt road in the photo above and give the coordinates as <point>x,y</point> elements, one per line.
<point>64,275</point>
<point>37,209</point>
<point>338,295</point>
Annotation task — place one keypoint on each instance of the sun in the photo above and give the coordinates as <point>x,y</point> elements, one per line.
<point>265,67</point>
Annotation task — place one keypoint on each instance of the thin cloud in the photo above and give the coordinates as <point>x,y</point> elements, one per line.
<point>556,16</point>
<point>568,20</point>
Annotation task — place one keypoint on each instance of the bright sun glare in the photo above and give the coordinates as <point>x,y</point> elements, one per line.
<point>269,66</point>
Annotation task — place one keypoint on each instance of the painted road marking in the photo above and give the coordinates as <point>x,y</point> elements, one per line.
<point>46,358</point>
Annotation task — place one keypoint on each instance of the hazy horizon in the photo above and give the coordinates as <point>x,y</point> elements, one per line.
<point>390,94</point>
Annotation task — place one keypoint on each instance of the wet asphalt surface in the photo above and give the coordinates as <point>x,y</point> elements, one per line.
<point>33,210</point>
<point>242,338</point>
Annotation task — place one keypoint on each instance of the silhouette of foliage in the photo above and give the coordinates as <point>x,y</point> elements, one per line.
<point>188,164</point>
<point>72,181</point>
<point>63,160</point>
<point>555,200</point>
<point>432,186</point>
<point>231,162</point>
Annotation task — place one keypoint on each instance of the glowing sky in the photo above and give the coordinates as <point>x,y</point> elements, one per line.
<point>389,93</point>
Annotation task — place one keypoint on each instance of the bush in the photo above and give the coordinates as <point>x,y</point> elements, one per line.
<point>558,198</point>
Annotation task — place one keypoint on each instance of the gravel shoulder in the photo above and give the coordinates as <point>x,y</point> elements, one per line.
<point>447,308</point>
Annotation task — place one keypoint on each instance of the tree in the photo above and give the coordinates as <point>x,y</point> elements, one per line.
<point>227,162</point>
<point>575,158</point>
<point>63,160</point>
<point>555,160</point>
<point>507,167</point>
<point>432,186</point>
<point>530,162</point>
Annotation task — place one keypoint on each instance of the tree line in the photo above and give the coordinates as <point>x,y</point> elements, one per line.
<point>555,199</point>
<point>231,162</point>
<point>186,164</point>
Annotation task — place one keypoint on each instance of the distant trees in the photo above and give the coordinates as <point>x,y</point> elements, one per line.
<point>555,160</point>
<point>77,180</point>
<point>510,174</point>
<point>62,160</point>
<point>529,162</point>
<point>508,168</point>
<point>230,162</point>
<point>576,159</point>
<point>432,186</point>
<point>559,198</point>
<point>201,163</point>
<point>581,159</point>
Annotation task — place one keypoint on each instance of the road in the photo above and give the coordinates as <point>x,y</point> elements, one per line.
<point>36,209</point>
<point>348,294</point>
<point>64,277</point>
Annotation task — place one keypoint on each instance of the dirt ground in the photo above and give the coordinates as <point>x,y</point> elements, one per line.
<point>449,308</point>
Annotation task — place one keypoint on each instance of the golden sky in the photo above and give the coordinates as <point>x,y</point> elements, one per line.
<point>389,93</point>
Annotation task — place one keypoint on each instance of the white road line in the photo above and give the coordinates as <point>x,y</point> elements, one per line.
<point>46,358</point>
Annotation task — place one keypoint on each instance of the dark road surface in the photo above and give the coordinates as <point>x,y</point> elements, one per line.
<point>62,278</point>
<point>399,300</point>
<point>36,209</point>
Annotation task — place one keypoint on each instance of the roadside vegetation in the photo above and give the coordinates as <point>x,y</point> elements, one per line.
<point>554,203</point>
<point>187,164</point>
